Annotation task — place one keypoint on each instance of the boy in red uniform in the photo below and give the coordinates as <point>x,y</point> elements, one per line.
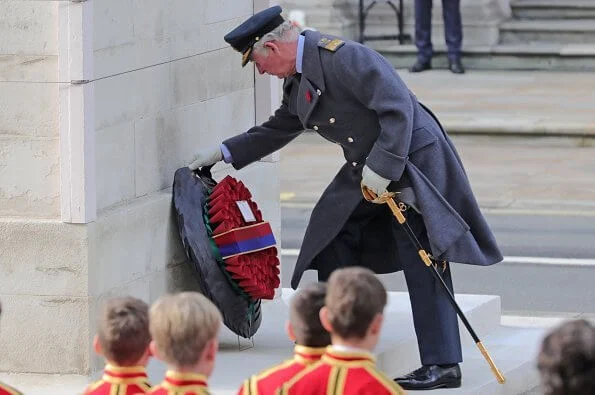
<point>304,328</point>
<point>184,327</point>
<point>123,339</point>
<point>5,389</point>
<point>353,310</point>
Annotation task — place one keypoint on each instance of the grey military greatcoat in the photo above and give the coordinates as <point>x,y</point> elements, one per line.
<point>352,96</point>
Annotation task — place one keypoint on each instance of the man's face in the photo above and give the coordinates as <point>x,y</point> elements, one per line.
<point>276,59</point>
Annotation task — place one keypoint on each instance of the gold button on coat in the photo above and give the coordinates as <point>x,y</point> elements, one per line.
<point>332,120</point>
<point>350,139</point>
<point>315,128</point>
<point>353,164</point>
<point>318,92</point>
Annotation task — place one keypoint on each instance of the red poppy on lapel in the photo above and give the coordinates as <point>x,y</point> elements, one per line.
<point>308,96</point>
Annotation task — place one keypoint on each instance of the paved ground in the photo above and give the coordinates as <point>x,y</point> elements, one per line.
<point>509,101</point>
<point>509,173</point>
<point>553,169</point>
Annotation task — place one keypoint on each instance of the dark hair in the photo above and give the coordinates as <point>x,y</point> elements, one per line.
<point>124,330</point>
<point>354,297</point>
<point>566,361</point>
<point>304,316</point>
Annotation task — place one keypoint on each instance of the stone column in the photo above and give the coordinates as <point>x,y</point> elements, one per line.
<point>101,101</point>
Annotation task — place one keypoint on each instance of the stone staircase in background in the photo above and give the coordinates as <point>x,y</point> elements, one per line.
<point>540,35</point>
<point>522,35</point>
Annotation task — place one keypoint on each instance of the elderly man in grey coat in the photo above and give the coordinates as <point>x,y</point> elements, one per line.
<point>352,96</point>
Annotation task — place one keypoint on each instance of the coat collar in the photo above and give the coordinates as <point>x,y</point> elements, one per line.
<point>311,67</point>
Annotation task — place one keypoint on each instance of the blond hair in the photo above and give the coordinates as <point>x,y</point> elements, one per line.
<point>181,325</point>
<point>123,330</point>
<point>353,299</point>
<point>304,316</point>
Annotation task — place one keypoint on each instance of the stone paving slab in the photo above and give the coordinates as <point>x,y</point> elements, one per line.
<point>529,102</point>
<point>506,173</point>
<point>527,139</point>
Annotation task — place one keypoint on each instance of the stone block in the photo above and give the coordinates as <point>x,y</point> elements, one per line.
<point>44,334</point>
<point>220,10</point>
<point>228,115</point>
<point>187,15</point>
<point>129,56</point>
<point>156,158</point>
<point>208,76</point>
<point>177,278</point>
<point>28,109</point>
<point>189,81</point>
<point>29,177</point>
<point>113,23</point>
<point>28,68</point>
<point>114,158</point>
<point>131,96</point>
<point>152,19</point>
<point>29,28</point>
<point>146,42</point>
<point>134,240</point>
<point>165,144</point>
<point>48,258</point>
<point>200,39</point>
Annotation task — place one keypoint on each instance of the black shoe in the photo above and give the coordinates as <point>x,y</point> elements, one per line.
<point>430,377</point>
<point>456,66</point>
<point>421,66</point>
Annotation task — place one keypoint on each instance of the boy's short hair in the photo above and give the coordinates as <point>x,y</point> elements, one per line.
<point>566,360</point>
<point>181,325</point>
<point>354,297</point>
<point>305,318</point>
<point>123,330</point>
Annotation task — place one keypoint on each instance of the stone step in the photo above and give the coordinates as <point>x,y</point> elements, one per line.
<point>568,31</point>
<point>397,351</point>
<point>512,349</point>
<point>553,9</point>
<point>561,57</point>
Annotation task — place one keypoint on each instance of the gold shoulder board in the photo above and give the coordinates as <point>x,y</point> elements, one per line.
<point>331,45</point>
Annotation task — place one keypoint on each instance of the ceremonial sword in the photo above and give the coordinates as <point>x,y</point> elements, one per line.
<point>388,198</point>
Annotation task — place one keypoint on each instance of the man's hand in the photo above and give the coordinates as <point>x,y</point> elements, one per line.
<point>206,157</point>
<point>373,181</point>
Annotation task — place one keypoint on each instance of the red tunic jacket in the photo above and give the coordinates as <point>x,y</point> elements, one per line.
<point>342,373</point>
<point>6,390</point>
<point>120,380</point>
<point>182,383</point>
<point>269,380</point>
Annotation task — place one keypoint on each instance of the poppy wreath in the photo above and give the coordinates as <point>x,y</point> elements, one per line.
<point>244,243</point>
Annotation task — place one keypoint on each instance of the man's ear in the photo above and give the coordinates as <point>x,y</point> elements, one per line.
<point>272,45</point>
<point>97,345</point>
<point>376,325</point>
<point>210,352</point>
<point>325,320</point>
<point>153,350</point>
<point>290,332</point>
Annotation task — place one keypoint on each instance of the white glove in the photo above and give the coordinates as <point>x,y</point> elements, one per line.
<point>206,157</point>
<point>373,181</point>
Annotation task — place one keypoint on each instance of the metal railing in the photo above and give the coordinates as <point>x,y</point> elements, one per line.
<point>363,14</point>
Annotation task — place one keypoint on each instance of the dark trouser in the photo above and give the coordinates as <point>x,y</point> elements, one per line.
<point>453,30</point>
<point>434,318</point>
